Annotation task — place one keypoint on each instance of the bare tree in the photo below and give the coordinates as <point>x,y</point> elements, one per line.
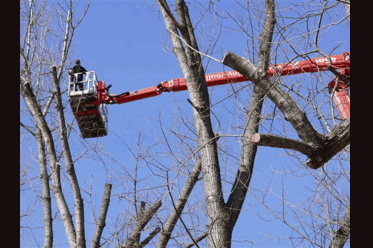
<point>318,147</point>
<point>221,216</point>
<point>319,134</point>
<point>41,67</point>
<point>34,63</point>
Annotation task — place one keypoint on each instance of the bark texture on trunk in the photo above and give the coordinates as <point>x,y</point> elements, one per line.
<point>47,204</point>
<point>341,235</point>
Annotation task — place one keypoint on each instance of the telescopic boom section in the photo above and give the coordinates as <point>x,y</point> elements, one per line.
<point>311,65</point>
<point>89,104</point>
<point>177,84</point>
<point>341,62</point>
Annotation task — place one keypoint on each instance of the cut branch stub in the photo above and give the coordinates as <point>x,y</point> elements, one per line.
<point>256,138</point>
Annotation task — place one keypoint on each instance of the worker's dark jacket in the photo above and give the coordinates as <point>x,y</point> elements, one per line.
<point>77,69</point>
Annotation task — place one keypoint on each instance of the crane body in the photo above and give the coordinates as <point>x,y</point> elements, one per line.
<point>89,104</point>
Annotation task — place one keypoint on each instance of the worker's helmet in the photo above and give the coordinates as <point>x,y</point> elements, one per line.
<point>77,61</point>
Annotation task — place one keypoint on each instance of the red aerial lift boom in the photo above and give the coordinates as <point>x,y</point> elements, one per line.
<point>89,104</point>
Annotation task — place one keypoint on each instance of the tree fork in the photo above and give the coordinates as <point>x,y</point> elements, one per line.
<point>140,225</point>
<point>179,206</point>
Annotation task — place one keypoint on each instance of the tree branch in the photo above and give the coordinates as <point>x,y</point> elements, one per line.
<point>324,147</point>
<point>317,155</point>
<point>169,13</point>
<point>198,239</point>
<point>171,221</point>
<point>140,215</point>
<point>266,35</point>
<point>330,67</point>
<point>336,141</point>
<point>140,225</point>
<point>150,237</point>
<point>100,224</point>
<point>25,127</point>
<point>341,235</point>
<point>193,73</point>
<point>281,142</point>
<point>45,111</point>
<point>247,158</point>
<point>249,149</point>
<point>346,3</point>
<point>169,226</point>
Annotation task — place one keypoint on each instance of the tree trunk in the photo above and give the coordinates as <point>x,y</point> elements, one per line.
<point>79,206</point>
<point>37,115</point>
<point>47,205</point>
<point>192,69</point>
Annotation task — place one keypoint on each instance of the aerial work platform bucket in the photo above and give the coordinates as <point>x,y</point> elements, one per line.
<point>91,116</point>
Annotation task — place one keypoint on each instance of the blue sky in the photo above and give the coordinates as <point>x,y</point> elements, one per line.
<point>124,42</point>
